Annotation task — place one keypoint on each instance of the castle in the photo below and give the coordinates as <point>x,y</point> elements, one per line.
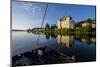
<point>65,22</point>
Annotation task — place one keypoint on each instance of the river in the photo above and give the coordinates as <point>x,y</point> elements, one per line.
<point>81,49</point>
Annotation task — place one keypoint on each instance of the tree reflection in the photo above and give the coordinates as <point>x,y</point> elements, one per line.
<point>53,35</point>
<point>86,38</point>
<point>48,35</point>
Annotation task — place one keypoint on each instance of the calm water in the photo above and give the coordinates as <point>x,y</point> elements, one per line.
<point>74,48</point>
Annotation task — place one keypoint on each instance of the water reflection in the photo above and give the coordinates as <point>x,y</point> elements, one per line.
<point>52,48</point>
<point>93,40</point>
<point>65,41</point>
<point>47,36</point>
<point>88,39</point>
<point>52,35</point>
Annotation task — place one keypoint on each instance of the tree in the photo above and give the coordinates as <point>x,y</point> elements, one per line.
<point>55,26</point>
<point>52,27</point>
<point>47,26</point>
<point>89,20</point>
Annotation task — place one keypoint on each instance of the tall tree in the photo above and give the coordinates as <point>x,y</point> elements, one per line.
<point>89,20</point>
<point>55,26</point>
<point>47,26</point>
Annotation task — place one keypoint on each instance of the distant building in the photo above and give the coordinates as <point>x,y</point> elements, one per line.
<point>77,28</point>
<point>65,22</point>
<point>93,25</point>
<point>85,24</point>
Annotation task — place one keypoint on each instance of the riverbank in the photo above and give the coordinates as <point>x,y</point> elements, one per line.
<point>63,31</point>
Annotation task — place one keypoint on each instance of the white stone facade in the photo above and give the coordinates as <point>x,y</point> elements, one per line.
<point>65,22</point>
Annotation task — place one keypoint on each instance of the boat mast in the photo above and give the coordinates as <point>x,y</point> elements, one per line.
<point>43,21</point>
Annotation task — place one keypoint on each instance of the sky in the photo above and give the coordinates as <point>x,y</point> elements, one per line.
<point>27,15</point>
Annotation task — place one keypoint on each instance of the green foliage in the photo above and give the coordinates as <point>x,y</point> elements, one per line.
<point>89,20</point>
<point>47,26</point>
<point>52,27</point>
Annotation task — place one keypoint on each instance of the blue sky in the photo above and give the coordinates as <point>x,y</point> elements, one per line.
<point>29,14</point>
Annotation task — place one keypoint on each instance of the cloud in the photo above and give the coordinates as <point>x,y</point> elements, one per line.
<point>36,10</point>
<point>30,7</point>
<point>28,4</point>
<point>24,5</point>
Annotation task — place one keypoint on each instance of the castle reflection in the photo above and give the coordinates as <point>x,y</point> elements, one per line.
<point>65,40</point>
